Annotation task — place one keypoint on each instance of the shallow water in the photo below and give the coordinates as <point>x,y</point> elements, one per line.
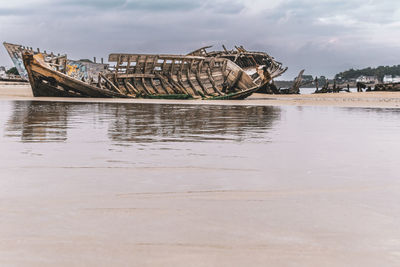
<point>106,184</point>
<point>311,90</point>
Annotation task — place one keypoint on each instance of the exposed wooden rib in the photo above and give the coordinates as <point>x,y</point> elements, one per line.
<point>154,64</point>
<point>224,66</point>
<point>172,67</point>
<point>117,70</point>
<point>235,82</point>
<point>163,67</point>
<point>115,88</point>
<point>144,64</point>
<point>181,85</point>
<point>179,89</point>
<point>175,86</point>
<point>137,67</point>
<point>131,87</point>
<point>128,64</point>
<point>99,81</point>
<point>118,63</point>
<point>210,77</point>
<point>155,87</point>
<point>163,84</point>
<point>152,71</point>
<point>193,87</point>
<point>145,87</point>
<point>188,74</point>
<point>127,89</point>
<point>199,69</point>
<point>138,86</point>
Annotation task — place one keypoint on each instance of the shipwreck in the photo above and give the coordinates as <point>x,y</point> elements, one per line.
<point>234,74</point>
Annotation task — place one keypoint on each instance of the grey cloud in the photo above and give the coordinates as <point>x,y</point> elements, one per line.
<point>14,11</point>
<point>98,4</point>
<point>225,7</point>
<point>160,5</point>
<point>291,31</point>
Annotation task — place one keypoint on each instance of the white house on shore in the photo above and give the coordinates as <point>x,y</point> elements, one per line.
<point>367,79</point>
<point>391,79</point>
<point>3,72</point>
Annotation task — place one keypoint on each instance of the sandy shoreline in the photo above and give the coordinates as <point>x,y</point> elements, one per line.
<point>158,185</point>
<point>22,92</point>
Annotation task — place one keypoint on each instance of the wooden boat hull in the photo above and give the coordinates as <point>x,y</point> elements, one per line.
<point>247,60</point>
<point>48,82</point>
<point>74,68</point>
<point>143,76</point>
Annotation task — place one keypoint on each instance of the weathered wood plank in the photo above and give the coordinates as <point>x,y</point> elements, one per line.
<point>136,75</point>
<point>125,57</point>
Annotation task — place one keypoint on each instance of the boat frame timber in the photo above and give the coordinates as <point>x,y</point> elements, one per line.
<point>247,60</point>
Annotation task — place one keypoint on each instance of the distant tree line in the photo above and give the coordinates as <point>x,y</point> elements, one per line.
<point>13,70</point>
<point>378,72</point>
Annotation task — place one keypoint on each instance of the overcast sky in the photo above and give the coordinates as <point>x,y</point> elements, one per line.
<point>324,37</point>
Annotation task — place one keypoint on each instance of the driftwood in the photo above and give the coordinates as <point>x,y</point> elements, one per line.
<point>334,89</point>
<point>394,87</point>
<point>295,88</point>
<point>271,88</point>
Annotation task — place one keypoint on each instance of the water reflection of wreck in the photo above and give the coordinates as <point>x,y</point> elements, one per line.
<point>171,123</point>
<point>38,121</point>
<point>127,124</point>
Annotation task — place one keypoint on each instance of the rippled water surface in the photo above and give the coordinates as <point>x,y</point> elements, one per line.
<point>110,135</point>
<point>237,182</point>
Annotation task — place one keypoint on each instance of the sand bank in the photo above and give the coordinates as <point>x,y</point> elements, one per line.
<point>367,99</point>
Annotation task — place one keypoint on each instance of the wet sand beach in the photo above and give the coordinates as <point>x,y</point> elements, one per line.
<point>269,181</point>
<point>366,99</point>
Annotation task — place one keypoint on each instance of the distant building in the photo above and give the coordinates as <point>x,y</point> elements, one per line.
<point>387,79</point>
<point>306,78</point>
<point>367,79</point>
<point>391,79</point>
<point>3,72</point>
